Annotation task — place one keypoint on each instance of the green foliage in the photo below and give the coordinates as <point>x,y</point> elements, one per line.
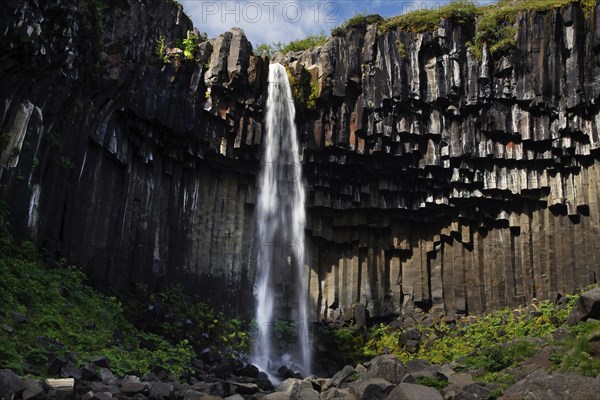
<point>312,40</point>
<point>67,164</point>
<point>492,343</point>
<point>432,381</point>
<point>265,49</point>
<point>499,356</point>
<point>401,49</point>
<point>358,20</point>
<point>65,315</point>
<point>304,92</point>
<point>161,49</point>
<point>576,353</point>
<point>311,103</point>
<point>190,46</point>
<point>4,140</point>
<point>189,319</point>
<point>460,11</point>
<point>494,22</point>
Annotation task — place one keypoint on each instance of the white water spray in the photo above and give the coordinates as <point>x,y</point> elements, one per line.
<point>280,220</point>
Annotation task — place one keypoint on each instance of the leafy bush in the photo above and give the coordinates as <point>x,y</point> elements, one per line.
<point>576,353</point>
<point>189,47</point>
<point>432,381</point>
<point>161,49</point>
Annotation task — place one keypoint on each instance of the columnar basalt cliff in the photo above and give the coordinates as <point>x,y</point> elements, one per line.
<point>435,179</point>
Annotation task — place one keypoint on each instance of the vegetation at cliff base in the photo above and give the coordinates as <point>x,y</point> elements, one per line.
<point>52,312</point>
<point>492,344</point>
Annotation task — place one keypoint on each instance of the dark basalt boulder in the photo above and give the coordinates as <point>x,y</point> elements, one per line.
<point>587,306</point>
<point>541,385</point>
<point>10,384</point>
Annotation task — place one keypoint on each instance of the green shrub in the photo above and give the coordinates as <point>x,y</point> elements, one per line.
<point>312,40</point>
<point>432,381</point>
<point>190,47</point>
<point>460,11</point>
<point>304,92</point>
<point>576,353</point>
<point>357,20</point>
<point>161,49</point>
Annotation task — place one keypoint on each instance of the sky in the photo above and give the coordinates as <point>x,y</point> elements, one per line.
<point>271,21</point>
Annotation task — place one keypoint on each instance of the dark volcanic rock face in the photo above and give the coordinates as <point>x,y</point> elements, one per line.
<point>434,179</point>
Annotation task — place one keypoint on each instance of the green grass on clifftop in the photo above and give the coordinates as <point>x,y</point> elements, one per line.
<point>494,22</point>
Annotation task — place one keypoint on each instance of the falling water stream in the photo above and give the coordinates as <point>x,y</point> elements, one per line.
<point>280,220</point>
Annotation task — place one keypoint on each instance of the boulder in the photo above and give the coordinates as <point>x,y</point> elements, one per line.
<point>10,384</point>
<point>234,397</point>
<point>161,391</point>
<point>412,334</point>
<point>88,372</point>
<point>337,394</point>
<point>468,391</point>
<point>101,387</point>
<point>540,385</point>
<point>248,370</point>
<point>293,386</point>
<point>101,362</point>
<point>70,372</point>
<point>387,367</point>
<point>102,396</point>
<point>212,388</point>
<point>56,365</point>
<point>193,395</point>
<point>278,396</point>
<point>587,306</point>
<point>131,385</point>
<point>342,376</point>
<point>308,394</point>
<point>34,390</point>
<point>410,391</point>
<point>371,389</point>
<point>107,377</point>
<point>245,388</point>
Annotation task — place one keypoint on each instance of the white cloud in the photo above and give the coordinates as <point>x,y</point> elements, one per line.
<point>264,21</point>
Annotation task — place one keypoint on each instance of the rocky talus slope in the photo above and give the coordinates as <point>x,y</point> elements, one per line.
<point>436,181</point>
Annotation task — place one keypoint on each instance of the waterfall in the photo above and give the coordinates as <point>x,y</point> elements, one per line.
<point>280,222</point>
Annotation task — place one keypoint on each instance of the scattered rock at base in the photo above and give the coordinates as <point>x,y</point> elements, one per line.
<point>541,385</point>
<point>587,306</point>
<point>343,376</point>
<point>371,389</point>
<point>10,384</point>
<point>387,367</point>
<point>410,391</point>
<point>34,390</point>
<point>466,391</point>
